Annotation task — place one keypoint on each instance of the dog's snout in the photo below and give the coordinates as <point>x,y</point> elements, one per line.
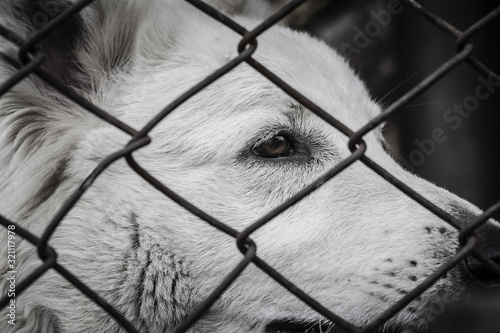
<point>488,243</point>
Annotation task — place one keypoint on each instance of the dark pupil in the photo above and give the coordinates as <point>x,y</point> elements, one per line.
<point>276,146</point>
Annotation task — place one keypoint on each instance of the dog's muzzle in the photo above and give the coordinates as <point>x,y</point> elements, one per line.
<point>479,312</point>
<point>489,244</point>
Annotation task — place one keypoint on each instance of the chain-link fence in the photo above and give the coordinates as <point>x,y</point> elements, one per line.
<point>32,60</point>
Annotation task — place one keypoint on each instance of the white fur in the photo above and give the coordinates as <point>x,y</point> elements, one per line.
<point>350,244</point>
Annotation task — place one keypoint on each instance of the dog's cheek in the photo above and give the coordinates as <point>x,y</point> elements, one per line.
<point>34,319</point>
<point>159,288</point>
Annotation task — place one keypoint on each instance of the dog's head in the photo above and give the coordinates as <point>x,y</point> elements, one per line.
<point>237,149</point>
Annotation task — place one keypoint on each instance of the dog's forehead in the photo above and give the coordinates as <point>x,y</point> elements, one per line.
<point>198,46</point>
<point>307,64</point>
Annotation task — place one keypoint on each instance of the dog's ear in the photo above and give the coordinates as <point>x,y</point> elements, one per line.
<point>97,40</point>
<point>37,123</point>
<point>23,18</point>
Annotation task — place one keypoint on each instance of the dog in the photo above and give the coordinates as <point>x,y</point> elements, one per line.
<point>236,150</point>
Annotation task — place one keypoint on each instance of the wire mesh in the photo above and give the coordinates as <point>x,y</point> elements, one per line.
<point>32,60</point>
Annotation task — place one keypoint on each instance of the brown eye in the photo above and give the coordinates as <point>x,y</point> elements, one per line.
<point>277,146</point>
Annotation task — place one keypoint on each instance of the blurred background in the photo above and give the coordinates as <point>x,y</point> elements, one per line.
<point>393,48</point>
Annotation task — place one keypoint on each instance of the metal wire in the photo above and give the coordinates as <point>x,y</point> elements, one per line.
<point>32,59</point>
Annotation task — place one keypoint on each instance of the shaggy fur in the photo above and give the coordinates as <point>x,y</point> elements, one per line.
<point>357,244</point>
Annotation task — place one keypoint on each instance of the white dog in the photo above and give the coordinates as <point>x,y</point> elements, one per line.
<point>236,150</point>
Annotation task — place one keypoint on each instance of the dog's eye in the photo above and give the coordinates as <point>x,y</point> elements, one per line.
<point>277,146</point>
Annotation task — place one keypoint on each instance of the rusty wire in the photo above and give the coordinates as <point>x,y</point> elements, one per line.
<point>32,60</point>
